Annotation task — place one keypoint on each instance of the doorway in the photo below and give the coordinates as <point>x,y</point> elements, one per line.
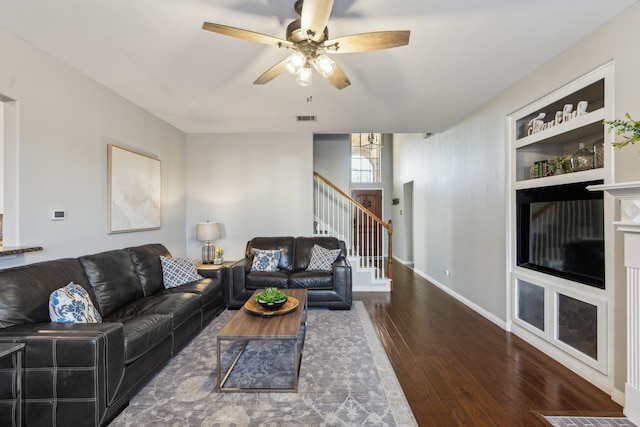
<point>367,234</point>
<point>407,214</point>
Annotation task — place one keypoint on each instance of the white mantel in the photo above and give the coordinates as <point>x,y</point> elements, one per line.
<point>629,195</point>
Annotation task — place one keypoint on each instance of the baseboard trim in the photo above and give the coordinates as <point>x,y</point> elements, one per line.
<point>484,313</point>
<point>402,261</point>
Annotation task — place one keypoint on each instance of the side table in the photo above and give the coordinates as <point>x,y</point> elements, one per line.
<point>11,355</point>
<point>214,270</point>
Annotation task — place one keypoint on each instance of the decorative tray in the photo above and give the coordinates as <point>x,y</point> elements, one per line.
<point>253,307</point>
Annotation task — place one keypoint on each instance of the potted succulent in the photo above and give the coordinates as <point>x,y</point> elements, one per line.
<point>218,255</point>
<point>559,165</point>
<point>629,129</point>
<point>271,298</point>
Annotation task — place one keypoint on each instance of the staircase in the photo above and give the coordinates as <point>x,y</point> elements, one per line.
<point>365,235</point>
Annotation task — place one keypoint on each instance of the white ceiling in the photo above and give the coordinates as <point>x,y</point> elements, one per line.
<point>155,53</point>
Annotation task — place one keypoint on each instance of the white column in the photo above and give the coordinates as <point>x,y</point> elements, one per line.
<point>632,262</point>
<point>629,223</point>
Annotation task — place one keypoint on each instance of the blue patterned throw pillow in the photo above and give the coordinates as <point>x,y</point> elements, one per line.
<point>322,258</point>
<point>265,260</point>
<point>72,304</point>
<point>178,271</point>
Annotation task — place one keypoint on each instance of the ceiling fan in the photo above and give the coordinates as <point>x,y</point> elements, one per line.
<point>308,37</point>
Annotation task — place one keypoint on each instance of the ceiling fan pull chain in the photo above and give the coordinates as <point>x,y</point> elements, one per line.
<point>309,94</point>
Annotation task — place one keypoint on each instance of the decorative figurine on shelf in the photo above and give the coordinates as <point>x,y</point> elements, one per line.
<point>598,154</point>
<point>566,112</point>
<point>219,255</point>
<point>582,108</point>
<point>582,159</point>
<point>536,124</point>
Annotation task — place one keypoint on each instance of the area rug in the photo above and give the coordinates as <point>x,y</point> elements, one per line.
<point>345,379</point>
<point>582,419</point>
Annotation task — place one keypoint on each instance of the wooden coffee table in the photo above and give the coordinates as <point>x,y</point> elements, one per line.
<point>246,327</point>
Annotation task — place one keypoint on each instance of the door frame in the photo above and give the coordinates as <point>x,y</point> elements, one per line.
<point>382,211</point>
<point>408,193</point>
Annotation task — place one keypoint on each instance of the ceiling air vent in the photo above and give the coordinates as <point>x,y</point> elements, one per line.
<point>306,118</point>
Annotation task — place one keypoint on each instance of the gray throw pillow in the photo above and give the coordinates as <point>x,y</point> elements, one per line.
<point>178,271</point>
<point>322,259</point>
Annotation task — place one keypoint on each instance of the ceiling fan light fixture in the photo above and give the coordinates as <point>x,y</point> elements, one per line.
<point>304,76</point>
<point>308,38</point>
<point>295,63</point>
<point>324,65</point>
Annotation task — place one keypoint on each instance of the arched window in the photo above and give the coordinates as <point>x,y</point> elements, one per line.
<point>361,169</point>
<point>366,149</point>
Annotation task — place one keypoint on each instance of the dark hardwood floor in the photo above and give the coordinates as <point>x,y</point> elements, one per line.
<point>458,369</point>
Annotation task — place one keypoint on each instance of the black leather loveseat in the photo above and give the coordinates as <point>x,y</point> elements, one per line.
<point>330,288</point>
<point>83,374</point>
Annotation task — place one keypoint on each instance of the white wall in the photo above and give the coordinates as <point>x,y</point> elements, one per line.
<point>254,185</point>
<point>1,157</point>
<point>58,158</point>
<point>332,158</point>
<point>460,180</point>
<point>459,217</point>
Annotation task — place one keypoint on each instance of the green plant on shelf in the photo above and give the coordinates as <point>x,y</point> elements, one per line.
<point>629,129</point>
<point>559,164</point>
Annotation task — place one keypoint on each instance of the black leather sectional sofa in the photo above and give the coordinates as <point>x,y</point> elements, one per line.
<point>331,289</point>
<point>84,373</point>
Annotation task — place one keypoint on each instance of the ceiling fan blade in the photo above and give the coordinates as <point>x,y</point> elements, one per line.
<point>314,17</point>
<point>338,78</point>
<point>366,42</point>
<point>271,73</point>
<point>246,35</point>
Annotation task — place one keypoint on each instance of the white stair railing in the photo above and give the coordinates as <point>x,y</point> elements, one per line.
<point>365,235</point>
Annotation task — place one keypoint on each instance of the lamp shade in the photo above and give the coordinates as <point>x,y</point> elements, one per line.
<point>208,231</point>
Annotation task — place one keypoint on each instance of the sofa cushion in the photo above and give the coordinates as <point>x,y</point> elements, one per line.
<point>179,306</point>
<point>322,258</point>
<point>304,247</point>
<point>146,260</point>
<point>178,271</point>
<point>20,304</point>
<point>113,279</point>
<point>285,244</point>
<point>311,280</point>
<point>265,260</point>
<point>266,279</point>
<point>208,289</point>
<point>72,304</point>
<point>142,333</point>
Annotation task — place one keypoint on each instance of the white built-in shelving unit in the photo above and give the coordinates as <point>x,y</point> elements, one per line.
<point>536,298</point>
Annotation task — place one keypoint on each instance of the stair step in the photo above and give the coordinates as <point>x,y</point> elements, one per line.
<point>363,278</point>
<point>375,286</point>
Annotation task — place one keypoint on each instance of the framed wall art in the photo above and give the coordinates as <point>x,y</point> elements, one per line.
<point>135,190</point>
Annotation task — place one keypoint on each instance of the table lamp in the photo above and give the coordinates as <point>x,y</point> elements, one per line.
<point>206,232</point>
